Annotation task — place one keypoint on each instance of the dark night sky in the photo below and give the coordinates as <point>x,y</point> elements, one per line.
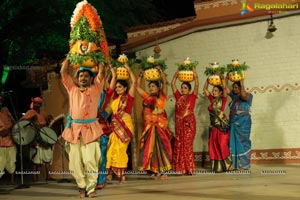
<point>176,9</point>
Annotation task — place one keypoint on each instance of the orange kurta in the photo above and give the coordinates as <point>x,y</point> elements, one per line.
<point>6,123</point>
<point>83,106</point>
<point>40,120</point>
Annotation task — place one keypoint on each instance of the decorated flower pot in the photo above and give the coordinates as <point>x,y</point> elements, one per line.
<point>235,63</point>
<point>235,76</point>
<point>213,73</point>
<point>185,75</point>
<point>89,63</point>
<point>122,73</point>
<point>82,48</point>
<point>152,74</point>
<point>122,58</point>
<point>88,44</point>
<point>236,71</point>
<point>214,80</point>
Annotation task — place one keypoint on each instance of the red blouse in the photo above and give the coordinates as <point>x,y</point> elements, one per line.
<point>191,98</point>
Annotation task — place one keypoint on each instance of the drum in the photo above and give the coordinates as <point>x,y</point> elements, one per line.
<point>46,137</point>
<point>23,132</point>
<point>58,124</point>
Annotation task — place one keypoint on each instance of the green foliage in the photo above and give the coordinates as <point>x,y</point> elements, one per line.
<point>81,31</point>
<point>4,75</point>
<point>239,68</point>
<point>116,63</point>
<point>32,29</point>
<point>147,65</point>
<point>188,67</point>
<point>211,71</point>
<point>228,68</point>
<point>77,59</point>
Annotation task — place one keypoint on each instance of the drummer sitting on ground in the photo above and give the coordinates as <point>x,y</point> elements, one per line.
<point>40,155</point>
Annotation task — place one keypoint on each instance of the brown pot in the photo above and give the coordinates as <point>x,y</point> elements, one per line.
<point>214,80</point>
<point>151,74</point>
<point>235,76</point>
<point>122,73</point>
<point>185,76</point>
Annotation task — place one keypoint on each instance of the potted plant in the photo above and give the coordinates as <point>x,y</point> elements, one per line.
<point>236,71</point>
<point>150,66</point>
<point>186,73</point>
<point>213,72</point>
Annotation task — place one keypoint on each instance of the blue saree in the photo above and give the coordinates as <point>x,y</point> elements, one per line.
<point>240,128</point>
<point>102,115</point>
<point>102,166</point>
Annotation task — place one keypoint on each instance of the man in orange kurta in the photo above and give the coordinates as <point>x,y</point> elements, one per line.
<point>41,156</point>
<point>83,129</point>
<point>8,150</point>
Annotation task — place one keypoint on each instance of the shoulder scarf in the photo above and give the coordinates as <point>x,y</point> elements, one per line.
<point>118,125</point>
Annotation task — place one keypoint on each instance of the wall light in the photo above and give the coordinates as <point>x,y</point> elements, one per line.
<point>271,27</point>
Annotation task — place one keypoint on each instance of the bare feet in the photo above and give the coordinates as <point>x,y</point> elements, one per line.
<point>231,168</point>
<point>100,186</point>
<point>81,193</point>
<point>92,195</point>
<point>122,180</point>
<point>153,175</point>
<point>189,174</point>
<point>163,177</point>
<point>109,177</point>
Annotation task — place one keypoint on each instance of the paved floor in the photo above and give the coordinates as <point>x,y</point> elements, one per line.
<point>263,182</point>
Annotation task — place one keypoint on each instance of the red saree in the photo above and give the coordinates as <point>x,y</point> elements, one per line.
<point>155,145</point>
<point>218,143</point>
<point>185,125</point>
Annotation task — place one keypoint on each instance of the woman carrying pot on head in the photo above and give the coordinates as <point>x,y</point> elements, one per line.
<point>122,127</point>
<point>240,125</point>
<point>185,125</point>
<point>218,143</point>
<point>155,146</point>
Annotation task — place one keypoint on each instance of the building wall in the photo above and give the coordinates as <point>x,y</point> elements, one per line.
<point>56,101</point>
<point>273,79</point>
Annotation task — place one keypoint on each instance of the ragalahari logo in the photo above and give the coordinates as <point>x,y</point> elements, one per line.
<point>245,8</point>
